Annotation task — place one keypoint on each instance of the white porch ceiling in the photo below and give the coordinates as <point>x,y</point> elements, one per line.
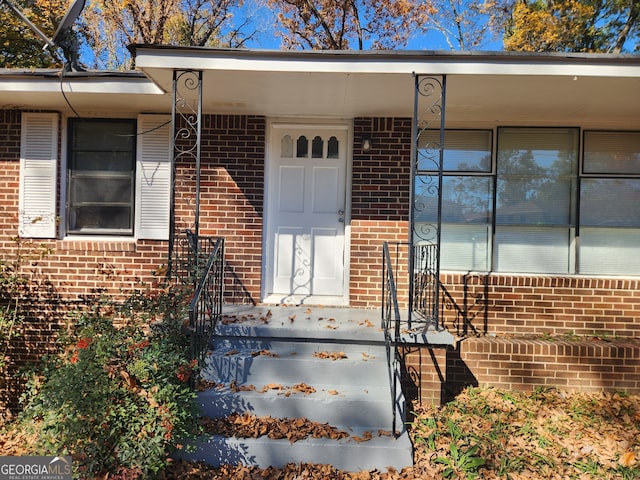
<point>482,88</point>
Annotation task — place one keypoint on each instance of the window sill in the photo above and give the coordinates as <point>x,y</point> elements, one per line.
<point>98,244</point>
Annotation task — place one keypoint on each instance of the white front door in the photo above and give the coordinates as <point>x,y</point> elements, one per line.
<point>306,213</point>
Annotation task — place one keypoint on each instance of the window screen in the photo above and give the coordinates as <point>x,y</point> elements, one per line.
<point>101,176</point>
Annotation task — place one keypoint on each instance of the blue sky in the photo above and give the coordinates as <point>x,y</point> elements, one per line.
<point>266,39</point>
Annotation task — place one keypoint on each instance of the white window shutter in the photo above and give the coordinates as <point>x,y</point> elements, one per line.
<point>153,177</point>
<point>38,175</point>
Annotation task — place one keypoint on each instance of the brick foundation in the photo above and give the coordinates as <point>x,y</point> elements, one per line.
<point>587,364</point>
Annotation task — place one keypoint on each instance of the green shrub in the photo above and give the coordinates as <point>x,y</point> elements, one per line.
<point>16,285</point>
<point>117,397</point>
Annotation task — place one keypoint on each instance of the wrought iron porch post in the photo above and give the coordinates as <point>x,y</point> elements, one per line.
<point>412,195</point>
<point>186,125</point>
<point>428,114</point>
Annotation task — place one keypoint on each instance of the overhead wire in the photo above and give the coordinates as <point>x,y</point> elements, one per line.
<point>64,95</point>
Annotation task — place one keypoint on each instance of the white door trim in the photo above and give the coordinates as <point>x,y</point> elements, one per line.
<point>267,258</point>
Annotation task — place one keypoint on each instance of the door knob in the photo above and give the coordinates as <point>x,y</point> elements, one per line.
<point>340,212</point>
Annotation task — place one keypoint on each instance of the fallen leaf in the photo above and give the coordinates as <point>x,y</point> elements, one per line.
<point>304,388</point>
<point>333,392</point>
<point>330,355</point>
<point>264,353</point>
<point>628,459</point>
<point>271,386</point>
<point>366,436</point>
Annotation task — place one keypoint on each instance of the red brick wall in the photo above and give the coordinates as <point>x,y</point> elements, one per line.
<point>379,201</point>
<point>524,305</point>
<point>232,197</point>
<point>516,363</point>
<point>571,333</point>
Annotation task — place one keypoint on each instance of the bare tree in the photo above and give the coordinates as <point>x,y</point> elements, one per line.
<point>111,25</point>
<point>349,24</point>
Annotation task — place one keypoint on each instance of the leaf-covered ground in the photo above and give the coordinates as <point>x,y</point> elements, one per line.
<point>487,433</point>
<point>483,433</point>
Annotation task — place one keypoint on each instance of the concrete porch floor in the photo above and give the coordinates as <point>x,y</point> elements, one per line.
<point>302,322</point>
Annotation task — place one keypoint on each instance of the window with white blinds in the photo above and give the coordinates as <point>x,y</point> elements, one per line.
<point>465,150</point>
<point>536,199</point>
<point>609,200</point>
<point>467,197</point>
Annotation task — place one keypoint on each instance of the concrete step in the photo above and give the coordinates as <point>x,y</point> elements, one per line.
<point>381,452</point>
<point>294,346</point>
<point>264,361</point>
<point>344,407</point>
<point>280,362</point>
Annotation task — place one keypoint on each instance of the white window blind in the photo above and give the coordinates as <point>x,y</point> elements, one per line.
<point>609,251</point>
<point>609,212</point>
<point>534,250</point>
<point>535,199</point>
<point>465,150</point>
<point>465,247</point>
<point>612,153</point>
<point>467,197</point>
<point>612,202</point>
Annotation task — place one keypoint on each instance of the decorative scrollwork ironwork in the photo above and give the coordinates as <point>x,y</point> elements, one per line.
<point>187,121</point>
<point>429,92</point>
<point>426,214</point>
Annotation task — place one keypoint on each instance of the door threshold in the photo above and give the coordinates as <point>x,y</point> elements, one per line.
<point>325,300</point>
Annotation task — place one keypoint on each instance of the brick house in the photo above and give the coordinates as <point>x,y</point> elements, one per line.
<point>304,167</point>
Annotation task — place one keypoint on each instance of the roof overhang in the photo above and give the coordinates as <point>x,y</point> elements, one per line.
<point>482,87</point>
<point>85,92</point>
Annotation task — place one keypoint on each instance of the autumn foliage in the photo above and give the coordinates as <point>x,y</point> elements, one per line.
<point>568,25</point>
<point>352,24</point>
<point>19,46</point>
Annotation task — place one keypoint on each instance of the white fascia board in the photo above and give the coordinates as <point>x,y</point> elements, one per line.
<point>148,58</point>
<point>69,85</point>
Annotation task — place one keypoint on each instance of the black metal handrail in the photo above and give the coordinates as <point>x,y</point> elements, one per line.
<point>391,326</point>
<point>205,308</point>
